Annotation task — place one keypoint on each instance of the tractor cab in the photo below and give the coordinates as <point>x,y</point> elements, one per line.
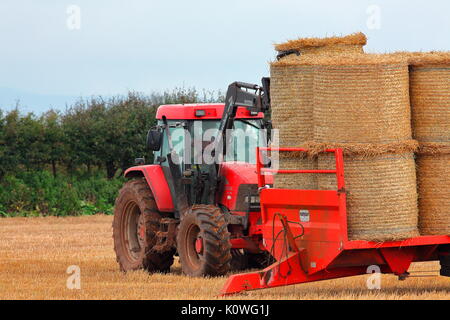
<point>193,131</point>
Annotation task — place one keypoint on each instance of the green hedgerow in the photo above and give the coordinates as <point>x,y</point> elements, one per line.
<point>41,193</point>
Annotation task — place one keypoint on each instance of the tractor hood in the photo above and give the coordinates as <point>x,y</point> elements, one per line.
<point>239,171</point>
<point>239,183</point>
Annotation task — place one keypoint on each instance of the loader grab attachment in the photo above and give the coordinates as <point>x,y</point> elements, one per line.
<point>306,233</point>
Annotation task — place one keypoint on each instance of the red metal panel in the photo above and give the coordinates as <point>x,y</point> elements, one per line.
<point>398,259</point>
<point>323,234</point>
<point>212,111</point>
<point>293,197</point>
<point>286,272</point>
<point>157,182</point>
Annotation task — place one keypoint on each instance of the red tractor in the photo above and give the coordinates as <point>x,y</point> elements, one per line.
<point>199,200</point>
<point>211,202</point>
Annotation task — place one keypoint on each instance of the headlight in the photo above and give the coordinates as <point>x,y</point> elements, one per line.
<point>252,199</point>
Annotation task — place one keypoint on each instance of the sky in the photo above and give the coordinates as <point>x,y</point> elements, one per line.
<point>57,51</point>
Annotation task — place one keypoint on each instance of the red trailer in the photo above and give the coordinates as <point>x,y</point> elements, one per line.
<point>306,232</point>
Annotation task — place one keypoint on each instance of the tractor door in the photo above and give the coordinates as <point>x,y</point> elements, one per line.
<point>189,177</point>
<point>174,159</point>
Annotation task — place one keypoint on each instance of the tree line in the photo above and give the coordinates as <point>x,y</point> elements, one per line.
<point>92,134</point>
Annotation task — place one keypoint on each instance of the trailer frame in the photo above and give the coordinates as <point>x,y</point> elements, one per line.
<point>306,233</point>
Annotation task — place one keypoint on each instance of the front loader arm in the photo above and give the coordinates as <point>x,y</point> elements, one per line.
<point>238,95</point>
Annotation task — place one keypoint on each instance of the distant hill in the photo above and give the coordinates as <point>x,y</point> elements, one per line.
<point>33,102</point>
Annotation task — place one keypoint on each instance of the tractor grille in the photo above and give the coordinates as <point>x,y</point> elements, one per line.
<point>248,198</point>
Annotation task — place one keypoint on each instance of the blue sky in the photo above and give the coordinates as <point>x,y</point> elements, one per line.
<point>149,45</point>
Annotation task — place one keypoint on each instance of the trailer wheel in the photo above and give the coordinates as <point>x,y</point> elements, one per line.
<point>136,221</point>
<point>203,242</point>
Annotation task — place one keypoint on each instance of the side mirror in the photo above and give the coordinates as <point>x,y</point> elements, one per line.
<point>154,138</point>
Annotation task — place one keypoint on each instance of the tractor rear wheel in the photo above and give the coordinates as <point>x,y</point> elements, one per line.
<point>203,242</point>
<point>136,222</point>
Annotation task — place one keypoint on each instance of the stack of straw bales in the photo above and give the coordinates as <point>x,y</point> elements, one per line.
<point>360,103</point>
<point>292,96</point>
<point>430,102</point>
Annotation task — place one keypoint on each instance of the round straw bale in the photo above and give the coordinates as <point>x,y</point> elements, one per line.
<point>430,96</point>
<point>381,195</point>
<point>433,174</point>
<point>332,45</point>
<point>362,99</point>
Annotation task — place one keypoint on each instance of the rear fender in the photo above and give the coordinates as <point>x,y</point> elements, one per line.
<point>157,182</point>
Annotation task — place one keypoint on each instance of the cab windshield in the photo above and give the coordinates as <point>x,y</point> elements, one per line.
<point>245,137</point>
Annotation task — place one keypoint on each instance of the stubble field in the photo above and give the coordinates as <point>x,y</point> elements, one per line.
<point>35,254</point>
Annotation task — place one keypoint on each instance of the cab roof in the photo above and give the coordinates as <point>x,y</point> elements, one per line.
<point>200,111</point>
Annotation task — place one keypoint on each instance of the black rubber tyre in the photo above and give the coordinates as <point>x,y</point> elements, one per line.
<point>136,221</point>
<point>203,242</point>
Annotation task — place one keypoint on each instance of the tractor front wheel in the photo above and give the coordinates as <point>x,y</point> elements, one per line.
<point>203,242</point>
<point>136,222</point>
